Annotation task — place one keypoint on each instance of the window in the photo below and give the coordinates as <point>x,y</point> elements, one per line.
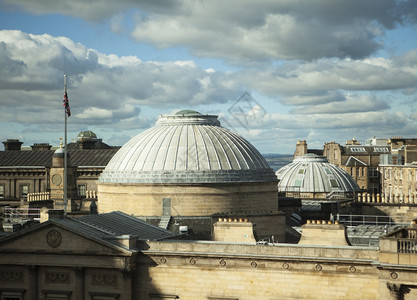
<point>82,188</point>
<point>334,183</point>
<point>56,295</point>
<point>99,296</point>
<point>1,191</point>
<point>357,149</point>
<point>301,171</point>
<point>11,295</point>
<point>381,149</point>
<point>373,172</point>
<point>24,190</point>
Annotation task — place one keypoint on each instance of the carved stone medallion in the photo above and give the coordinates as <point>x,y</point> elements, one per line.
<point>54,238</point>
<point>56,179</point>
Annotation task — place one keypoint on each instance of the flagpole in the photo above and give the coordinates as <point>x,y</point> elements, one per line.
<point>65,154</point>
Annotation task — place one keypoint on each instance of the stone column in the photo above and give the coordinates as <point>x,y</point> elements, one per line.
<point>32,281</point>
<point>79,283</point>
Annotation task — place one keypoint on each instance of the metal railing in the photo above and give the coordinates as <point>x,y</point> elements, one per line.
<point>354,220</point>
<point>21,213</point>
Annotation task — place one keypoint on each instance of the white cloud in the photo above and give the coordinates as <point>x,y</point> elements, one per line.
<point>352,104</point>
<point>100,87</point>
<point>245,30</point>
<point>325,77</point>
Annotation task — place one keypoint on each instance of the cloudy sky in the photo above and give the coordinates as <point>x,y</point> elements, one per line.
<point>274,71</point>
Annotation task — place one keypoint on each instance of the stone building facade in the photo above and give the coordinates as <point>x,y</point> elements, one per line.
<point>32,177</point>
<point>70,259</point>
<point>399,183</point>
<point>360,161</point>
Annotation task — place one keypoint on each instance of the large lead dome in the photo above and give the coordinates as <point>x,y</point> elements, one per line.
<point>187,147</point>
<point>187,165</point>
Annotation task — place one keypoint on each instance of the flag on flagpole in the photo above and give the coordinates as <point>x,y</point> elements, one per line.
<point>66,104</point>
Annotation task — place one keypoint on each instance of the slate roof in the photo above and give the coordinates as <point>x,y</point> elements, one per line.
<point>93,157</point>
<point>118,223</point>
<point>104,228</point>
<point>365,150</point>
<point>353,161</point>
<point>26,158</point>
<point>368,235</point>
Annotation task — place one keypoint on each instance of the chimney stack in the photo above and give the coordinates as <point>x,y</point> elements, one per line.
<point>12,145</point>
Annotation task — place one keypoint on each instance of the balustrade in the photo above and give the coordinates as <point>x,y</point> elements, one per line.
<point>41,196</point>
<point>390,199</point>
<point>407,246</point>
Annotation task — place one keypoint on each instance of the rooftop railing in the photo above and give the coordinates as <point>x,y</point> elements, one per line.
<point>21,213</point>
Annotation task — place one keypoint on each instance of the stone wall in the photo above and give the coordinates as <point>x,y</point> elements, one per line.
<point>240,230</point>
<point>237,271</point>
<point>187,199</point>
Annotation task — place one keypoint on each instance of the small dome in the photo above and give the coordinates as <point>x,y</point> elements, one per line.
<point>187,147</point>
<point>59,152</point>
<point>188,112</point>
<point>88,134</point>
<point>314,174</point>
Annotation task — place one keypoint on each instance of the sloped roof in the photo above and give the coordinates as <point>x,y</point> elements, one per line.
<point>353,161</point>
<point>26,158</point>
<point>118,223</point>
<point>93,157</point>
<point>365,150</point>
<point>104,228</point>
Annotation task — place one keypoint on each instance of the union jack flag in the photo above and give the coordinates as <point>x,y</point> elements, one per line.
<point>66,104</point>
